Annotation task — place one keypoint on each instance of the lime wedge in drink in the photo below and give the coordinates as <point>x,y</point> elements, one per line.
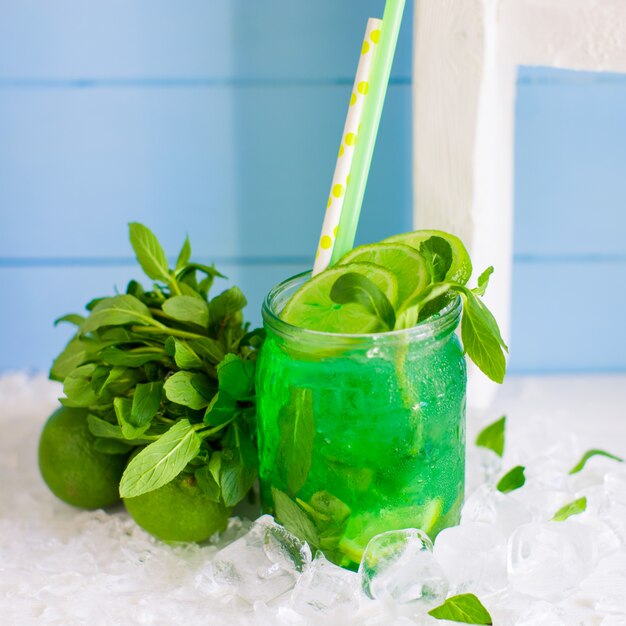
<point>461,268</point>
<point>312,307</point>
<point>404,261</point>
<point>362,528</point>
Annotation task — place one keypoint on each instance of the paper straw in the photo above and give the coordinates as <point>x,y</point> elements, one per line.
<point>381,70</point>
<point>337,196</point>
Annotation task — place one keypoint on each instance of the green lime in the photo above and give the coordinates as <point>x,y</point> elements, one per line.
<point>461,269</point>
<point>178,511</point>
<point>72,469</point>
<point>311,306</point>
<point>362,528</point>
<point>405,262</point>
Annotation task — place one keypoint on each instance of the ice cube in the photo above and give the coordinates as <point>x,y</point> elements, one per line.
<point>547,560</point>
<point>482,466</point>
<point>473,557</point>
<point>325,586</point>
<point>399,567</point>
<point>503,511</point>
<point>261,565</point>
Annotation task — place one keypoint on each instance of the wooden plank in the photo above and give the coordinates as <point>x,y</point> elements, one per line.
<point>554,330</point>
<point>245,170</point>
<point>41,294</point>
<point>570,164</point>
<point>204,39</point>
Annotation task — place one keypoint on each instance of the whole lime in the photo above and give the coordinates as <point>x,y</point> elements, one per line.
<point>73,470</point>
<point>178,511</point>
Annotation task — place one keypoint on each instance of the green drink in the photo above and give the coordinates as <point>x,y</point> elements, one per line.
<point>360,433</point>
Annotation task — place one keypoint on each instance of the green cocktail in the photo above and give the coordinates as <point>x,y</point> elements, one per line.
<point>360,433</point>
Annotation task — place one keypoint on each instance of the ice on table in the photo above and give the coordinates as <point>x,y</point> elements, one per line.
<point>62,566</point>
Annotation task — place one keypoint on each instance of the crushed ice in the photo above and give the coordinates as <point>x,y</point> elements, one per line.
<point>63,566</point>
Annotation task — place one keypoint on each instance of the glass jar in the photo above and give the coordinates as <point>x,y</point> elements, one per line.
<point>360,434</point>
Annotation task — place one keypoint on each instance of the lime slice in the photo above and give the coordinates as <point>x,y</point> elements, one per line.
<point>404,261</point>
<point>461,269</point>
<point>364,527</point>
<point>311,306</point>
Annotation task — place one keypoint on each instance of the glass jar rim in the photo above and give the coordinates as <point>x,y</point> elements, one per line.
<point>443,322</point>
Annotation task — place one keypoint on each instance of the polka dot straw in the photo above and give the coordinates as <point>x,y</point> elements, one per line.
<point>346,150</point>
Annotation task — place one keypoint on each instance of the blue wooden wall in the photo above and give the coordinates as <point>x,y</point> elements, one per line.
<point>221,118</point>
<point>570,222</point>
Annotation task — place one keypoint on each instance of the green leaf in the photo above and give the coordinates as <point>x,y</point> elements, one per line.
<point>481,338</point>
<point>512,480</point>
<point>77,387</point>
<point>483,282</point>
<point>208,348</point>
<point>134,357</point>
<point>70,318</point>
<point>184,255</point>
<point>184,356</point>
<point>222,409</point>
<point>117,311</point>
<point>572,508</point>
<point>123,412</point>
<point>188,309</point>
<point>492,436</point>
<point>590,454</point>
<point>297,432</point>
<point>118,382</point>
<point>75,353</point>
<point>146,403</point>
<point>161,461</point>
<point>465,608</point>
<point>236,377</point>
<point>207,483</point>
<point>358,289</point>
<point>437,253</point>
<point>225,305</point>
<point>183,388</point>
<point>293,518</point>
<point>149,252</point>
<point>102,428</point>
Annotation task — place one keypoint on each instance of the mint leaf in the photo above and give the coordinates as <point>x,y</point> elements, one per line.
<point>293,518</point>
<point>149,252</point>
<point>208,348</point>
<point>512,480</point>
<point>184,255</point>
<point>236,377</point>
<point>572,508</point>
<point>297,432</point>
<point>184,356</point>
<point>134,357</point>
<point>189,389</point>
<point>161,461</point>
<point>465,608</point>
<point>70,318</point>
<point>75,354</point>
<point>225,305</point>
<point>207,482</point>
<point>222,409</point>
<point>117,311</point>
<point>437,253</point>
<point>123,412</point>
<point>106,430</point>
<point>77,387</point>
<point>492,436</point>
<point>590,454</point>
<point>188,309</point>
<point>146,402</point>
<point>358,289</point>
<point>483,282</point>
<point>481,337</point>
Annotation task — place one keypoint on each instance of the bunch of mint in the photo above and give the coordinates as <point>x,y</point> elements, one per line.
<point>170,371</point>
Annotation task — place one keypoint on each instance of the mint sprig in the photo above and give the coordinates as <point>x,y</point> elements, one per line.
<point>492,436</point>
<point>170,370</point>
